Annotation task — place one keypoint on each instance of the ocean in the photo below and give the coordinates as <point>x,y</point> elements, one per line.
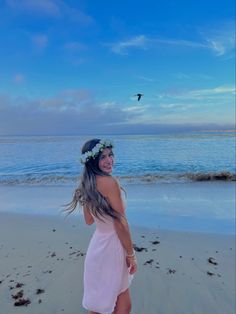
<point>179,182</point>
<point>54,160</point>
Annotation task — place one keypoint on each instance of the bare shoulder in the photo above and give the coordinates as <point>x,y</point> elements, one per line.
<point>107,184</point>
<point>109,187</point>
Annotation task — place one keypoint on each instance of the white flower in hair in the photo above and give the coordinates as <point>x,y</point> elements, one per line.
<point>96,150</point>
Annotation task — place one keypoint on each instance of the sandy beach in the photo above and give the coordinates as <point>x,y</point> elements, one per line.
<point>41,263</point>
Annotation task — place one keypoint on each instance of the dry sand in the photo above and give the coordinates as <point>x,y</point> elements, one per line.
<point>178,272</point>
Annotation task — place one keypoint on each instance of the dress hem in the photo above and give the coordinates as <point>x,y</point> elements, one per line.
<point>95,310</point>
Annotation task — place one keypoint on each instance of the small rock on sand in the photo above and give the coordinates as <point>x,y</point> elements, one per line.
<point>21,302</point>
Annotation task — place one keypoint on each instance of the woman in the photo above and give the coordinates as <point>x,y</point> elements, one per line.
<point>110,260</point>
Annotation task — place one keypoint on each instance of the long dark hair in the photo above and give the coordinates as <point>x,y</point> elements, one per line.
<point>87,194</point>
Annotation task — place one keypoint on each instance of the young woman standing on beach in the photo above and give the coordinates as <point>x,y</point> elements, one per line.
<point>110,260</point>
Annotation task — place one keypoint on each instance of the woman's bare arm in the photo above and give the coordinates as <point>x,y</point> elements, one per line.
<point>87,216</point>
<point>110,188</point>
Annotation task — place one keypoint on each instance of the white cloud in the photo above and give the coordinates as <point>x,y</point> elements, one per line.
<point>135,42</point>
<point>143,42</point>
<point>178,42</point>
<point>76,112</point>
<point>220,40</point>
<point>108,105</point>
<point>136,109</point>
<point>69,99</point>
<point>216,46</point>
<point>214,91</point>
<point>69,111</point>
<point>202,94</point>
<point>178,106</point>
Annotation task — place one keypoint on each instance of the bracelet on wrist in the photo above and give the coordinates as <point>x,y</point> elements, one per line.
<point>131,255</point>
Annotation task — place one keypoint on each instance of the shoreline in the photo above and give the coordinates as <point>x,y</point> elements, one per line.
<point>46,254</point>
<point>198,207</point>
<point>78,218</point>
<point>145,178</point>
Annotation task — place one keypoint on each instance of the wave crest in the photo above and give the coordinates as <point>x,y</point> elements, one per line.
<point>145,178</point>
<point>199,176</point>
<point>222,176</point>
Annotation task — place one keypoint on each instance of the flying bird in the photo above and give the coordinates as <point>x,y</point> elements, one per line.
<point>139,96</point>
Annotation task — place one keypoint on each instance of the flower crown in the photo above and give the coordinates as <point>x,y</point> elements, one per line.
<point>96,150</point>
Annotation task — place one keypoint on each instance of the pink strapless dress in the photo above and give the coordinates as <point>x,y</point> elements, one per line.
<point>106,274</point>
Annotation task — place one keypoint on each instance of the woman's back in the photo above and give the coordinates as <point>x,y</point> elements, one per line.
<point>104,224</point>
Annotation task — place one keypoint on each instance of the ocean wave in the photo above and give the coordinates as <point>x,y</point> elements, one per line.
<point>143,178</point>
<point>222,176</point>
<point>211,176</point>
<point>42,180</point>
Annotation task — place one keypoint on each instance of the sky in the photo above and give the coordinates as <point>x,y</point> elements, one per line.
<point>74,67</point>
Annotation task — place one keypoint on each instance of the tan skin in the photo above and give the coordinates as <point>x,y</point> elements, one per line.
<point>109,188</point>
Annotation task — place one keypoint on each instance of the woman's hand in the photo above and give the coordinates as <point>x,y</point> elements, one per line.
<point>131,262</point>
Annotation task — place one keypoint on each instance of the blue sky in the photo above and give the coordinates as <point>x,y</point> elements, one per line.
<point>73,67</point>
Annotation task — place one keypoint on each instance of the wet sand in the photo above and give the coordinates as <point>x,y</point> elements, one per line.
<point>197,206</point>
<point>41,268</point>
